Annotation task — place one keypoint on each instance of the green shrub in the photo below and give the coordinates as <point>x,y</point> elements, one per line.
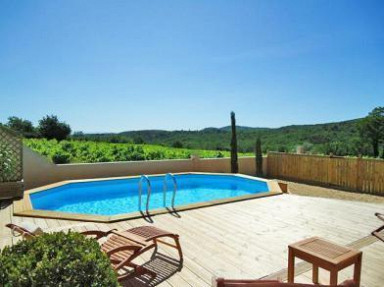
<point>66,146</point>
<point>8,163</point>
<point>60,157</point>
<point>177,144</point>
<point>219,155</point>
<point>56,259</point>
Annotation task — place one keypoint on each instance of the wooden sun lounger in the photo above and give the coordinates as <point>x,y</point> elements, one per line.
<point>142,238</point>
<point>122,247</point>
<point>21,231</point>
<point>121,251</point>
<point>377,232</point>
<point>221,282</point>
<point>150,235</point>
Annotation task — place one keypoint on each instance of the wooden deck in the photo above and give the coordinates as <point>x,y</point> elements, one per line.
<point>247,239</point>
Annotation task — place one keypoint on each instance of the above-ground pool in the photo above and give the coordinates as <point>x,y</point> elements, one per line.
<point>114,197</point>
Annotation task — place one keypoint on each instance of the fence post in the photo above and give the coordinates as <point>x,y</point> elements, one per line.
<point>195,163</point>
<point>269,164</point>
<point>359,176</point>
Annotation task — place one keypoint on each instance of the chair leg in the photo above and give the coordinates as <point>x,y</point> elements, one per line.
<point>377,234</point>
<point>178,247</point>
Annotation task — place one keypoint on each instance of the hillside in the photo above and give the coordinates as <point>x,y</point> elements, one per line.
<point>340,138</point>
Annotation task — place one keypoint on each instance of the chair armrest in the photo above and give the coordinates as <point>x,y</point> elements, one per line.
<point>122,248</point>
<point>98,233</point>
<point>152,233</point>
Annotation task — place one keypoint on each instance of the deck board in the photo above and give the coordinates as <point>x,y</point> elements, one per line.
<point>249,239</point>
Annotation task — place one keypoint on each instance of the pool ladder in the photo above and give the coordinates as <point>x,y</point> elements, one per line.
<point>165,187</point>
<point>146,179</point>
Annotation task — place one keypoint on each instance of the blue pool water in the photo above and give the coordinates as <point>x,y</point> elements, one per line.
<point>112,197</point>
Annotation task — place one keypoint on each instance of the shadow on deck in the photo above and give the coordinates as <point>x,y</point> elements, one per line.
<point>163,265</point>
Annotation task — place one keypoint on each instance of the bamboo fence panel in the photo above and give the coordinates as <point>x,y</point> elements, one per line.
<point>358,174</point>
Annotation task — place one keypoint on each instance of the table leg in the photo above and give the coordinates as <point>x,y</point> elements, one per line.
<point>334,277</point>
<point>315,273</point>
<point>291,266</point>
<point>357,270</point>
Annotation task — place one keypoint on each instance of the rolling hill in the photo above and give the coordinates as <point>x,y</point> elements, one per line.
<point>340,138</point>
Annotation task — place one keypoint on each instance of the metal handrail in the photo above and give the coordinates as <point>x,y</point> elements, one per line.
<point>165,186</point>
<point>144,177</point>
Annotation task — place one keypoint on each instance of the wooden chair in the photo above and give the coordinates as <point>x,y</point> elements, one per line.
<point>221,282</point>
<point>378,230</point>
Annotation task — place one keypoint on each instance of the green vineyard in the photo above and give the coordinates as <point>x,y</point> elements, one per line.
<point>89,151</point>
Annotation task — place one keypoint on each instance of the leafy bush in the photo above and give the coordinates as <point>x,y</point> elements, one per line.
<point>56,259</point>
<point>219,155</point>
<point>8,163</point>
<point>60,157</point>
<point>66,146</point>
<point>177,144</point>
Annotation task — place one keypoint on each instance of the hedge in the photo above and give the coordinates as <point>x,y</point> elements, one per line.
<point>56,259</point>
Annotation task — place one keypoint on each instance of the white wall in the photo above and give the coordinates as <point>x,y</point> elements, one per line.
<point>38,171</point>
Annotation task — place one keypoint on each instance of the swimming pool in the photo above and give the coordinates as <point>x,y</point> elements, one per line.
<point>114,197</point>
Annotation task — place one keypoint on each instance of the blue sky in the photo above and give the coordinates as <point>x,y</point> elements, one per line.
<point>109,66</point>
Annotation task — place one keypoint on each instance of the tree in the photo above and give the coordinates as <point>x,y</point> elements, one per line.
<point>138,140</point>
<point>372,128</point>
<point>382,153</point>
<point>24,127</point>
<point>234,162</point>
<point>177,144</point>
<point>259,158</point>
<point>51,128</point>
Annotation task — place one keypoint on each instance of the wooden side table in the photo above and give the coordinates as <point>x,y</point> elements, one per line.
<point>324,254</point>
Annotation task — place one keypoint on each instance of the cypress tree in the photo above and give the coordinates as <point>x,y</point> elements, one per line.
<point>234,162</point>
<point>259,158</point>
<point>382,154</point>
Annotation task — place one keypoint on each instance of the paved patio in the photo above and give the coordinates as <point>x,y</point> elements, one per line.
<point>248,239</point>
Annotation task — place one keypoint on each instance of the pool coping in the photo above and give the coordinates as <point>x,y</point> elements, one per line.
<point>24,207</point>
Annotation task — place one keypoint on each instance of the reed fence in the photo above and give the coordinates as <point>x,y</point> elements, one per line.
<point>357,174</point>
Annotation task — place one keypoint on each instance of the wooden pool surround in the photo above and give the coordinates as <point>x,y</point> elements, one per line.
<point>24,206</point>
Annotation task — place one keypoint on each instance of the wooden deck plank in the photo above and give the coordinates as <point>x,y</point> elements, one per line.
<point>249,239</point>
